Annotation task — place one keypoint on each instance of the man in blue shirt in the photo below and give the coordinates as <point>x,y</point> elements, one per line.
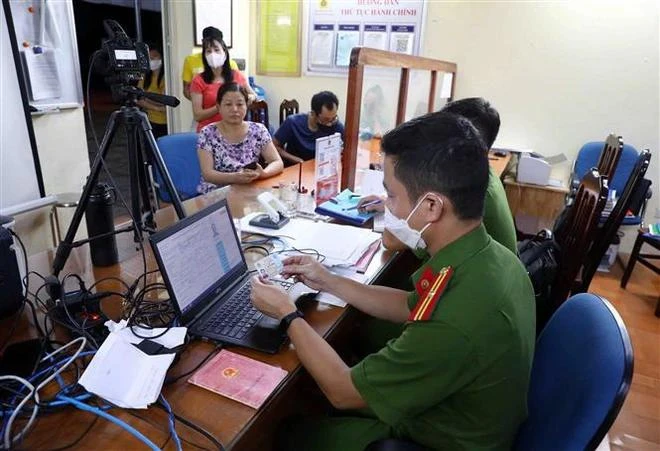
<point>296,138</point>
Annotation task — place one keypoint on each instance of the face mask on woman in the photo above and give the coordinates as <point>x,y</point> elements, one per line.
<point>216,60</point>
<point>155,64</point>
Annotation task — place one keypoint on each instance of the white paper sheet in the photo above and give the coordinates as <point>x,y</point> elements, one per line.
<point>126,376</point>
<point>321,47</point>
<point>43,74</point>
<point>346,40</point>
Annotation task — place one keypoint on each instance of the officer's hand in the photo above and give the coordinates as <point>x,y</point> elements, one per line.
<point>308,270</point>
<point>379,207</point>
<point>271,300</point>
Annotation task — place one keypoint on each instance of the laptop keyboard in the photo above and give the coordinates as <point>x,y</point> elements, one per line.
<point>237,316</point>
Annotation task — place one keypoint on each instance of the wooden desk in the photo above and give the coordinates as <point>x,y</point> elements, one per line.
<point>534,206</point>
<point>237,426</point>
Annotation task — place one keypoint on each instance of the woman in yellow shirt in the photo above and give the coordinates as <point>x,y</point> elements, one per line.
<point>153,82</point>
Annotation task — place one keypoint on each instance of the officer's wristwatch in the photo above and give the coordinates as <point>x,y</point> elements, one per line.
<point>286,321</point>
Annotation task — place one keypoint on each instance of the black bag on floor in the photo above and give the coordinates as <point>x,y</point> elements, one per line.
<point>540,256</point>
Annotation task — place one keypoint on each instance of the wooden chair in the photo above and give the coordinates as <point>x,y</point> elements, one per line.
<point>608,153</point>
<point>576,235</point>
<point>609,157</point>
<point>287,108</point>
<point>258,112</point>
<point>643,237</point>
<point>606,233</point>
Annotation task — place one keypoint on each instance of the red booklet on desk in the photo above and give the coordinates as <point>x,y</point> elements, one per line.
<point>239,378</point>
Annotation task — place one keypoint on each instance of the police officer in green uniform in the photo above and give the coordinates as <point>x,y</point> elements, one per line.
<point>457,376</point>
<point>497,216</point>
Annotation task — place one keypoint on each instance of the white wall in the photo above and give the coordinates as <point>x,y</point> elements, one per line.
<point>62,146</point>
<point>560,74</point>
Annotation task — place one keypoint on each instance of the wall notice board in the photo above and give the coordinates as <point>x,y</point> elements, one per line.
<point>46,40</point>
<point>278,38</point>
<point>336,26</point>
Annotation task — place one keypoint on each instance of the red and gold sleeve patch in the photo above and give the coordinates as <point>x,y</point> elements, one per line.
<point>427,303</point>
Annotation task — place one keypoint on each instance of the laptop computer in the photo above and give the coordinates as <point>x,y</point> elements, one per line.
<point>204,269</point>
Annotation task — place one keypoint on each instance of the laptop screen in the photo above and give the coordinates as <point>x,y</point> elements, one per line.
<point>199,256</point>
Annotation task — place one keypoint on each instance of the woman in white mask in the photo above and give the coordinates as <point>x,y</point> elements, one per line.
<point>204,87</point>
<point>154,81</point>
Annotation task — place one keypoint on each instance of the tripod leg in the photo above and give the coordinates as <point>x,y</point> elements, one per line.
<point>146,187</point>
<point>157,158</point>
<point>64,248</point>
<point>134,167</point>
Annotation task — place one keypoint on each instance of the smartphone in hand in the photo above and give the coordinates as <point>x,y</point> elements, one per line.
<point>251,166</point>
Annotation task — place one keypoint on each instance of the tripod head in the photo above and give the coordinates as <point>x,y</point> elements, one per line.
<point>129,95</point>
<point>123,63</point>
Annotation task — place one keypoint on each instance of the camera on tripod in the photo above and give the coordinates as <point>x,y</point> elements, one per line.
<point>123,62</point>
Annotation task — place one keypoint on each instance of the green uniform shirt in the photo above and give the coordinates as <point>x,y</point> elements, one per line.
<point>497,215</point>
<point>459,380</point>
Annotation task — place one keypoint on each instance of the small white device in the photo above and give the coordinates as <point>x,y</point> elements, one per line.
<point>533,170</point>
<point>274,207</point>
<point>275,216</point>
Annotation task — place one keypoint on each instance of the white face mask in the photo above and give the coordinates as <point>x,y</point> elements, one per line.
<point>402,231</point>
<point>155,64</point>
<point>216,60</point>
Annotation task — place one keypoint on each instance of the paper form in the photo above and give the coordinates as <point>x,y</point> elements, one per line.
<point>321,48</point>
<point>43,74</point>
<point>347,38</point>
<point>402,39</point>
<point>375,37</point>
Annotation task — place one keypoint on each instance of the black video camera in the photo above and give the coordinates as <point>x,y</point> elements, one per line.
<point>122,60</point>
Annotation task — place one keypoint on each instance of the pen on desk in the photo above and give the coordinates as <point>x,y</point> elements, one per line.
<point>333,200</point>
<point>355,207</point>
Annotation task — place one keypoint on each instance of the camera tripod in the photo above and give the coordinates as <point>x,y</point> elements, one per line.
<point>138,130</point>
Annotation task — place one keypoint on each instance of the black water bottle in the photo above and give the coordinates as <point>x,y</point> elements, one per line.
<point>100,220</point>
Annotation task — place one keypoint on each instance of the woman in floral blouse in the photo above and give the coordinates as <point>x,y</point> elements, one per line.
<point>225,148</point>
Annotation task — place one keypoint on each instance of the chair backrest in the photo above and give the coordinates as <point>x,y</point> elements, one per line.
<point>577,233</point>
<point>605,234</point>
<point>287,108</point>
<point>609,157</point>
<point>258,112</point>
<point>581,374</point>
<point>597,154</point>
<point>179,152</point>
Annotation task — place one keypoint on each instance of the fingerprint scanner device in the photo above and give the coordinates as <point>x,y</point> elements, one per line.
<point>275,216</point>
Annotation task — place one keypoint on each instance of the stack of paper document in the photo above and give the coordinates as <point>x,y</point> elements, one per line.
<point>125,376</point>
<point>341,245</point>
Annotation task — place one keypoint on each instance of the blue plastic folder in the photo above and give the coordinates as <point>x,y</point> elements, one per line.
<point>339,209</point>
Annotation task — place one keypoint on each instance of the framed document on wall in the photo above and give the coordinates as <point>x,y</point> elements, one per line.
<point>278,38</point>
<point>216,13</point>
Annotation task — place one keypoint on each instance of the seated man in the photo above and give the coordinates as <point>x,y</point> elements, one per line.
<point>457,377</point>
<point>497,215</point>
<point>296,137</point>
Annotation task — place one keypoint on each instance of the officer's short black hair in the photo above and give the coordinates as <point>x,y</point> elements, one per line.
<point>324,99</point>
<point>481,113</point>
<point>443,153</point>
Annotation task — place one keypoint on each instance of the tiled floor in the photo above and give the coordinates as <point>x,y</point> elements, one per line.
<point>638,424</point>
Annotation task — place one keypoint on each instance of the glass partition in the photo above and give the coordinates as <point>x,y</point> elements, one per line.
<point>384,90</point>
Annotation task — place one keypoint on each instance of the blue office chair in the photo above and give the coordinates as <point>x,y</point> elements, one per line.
<point>589,156</point>
<point>582,369</point>
<point>179,152</point>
